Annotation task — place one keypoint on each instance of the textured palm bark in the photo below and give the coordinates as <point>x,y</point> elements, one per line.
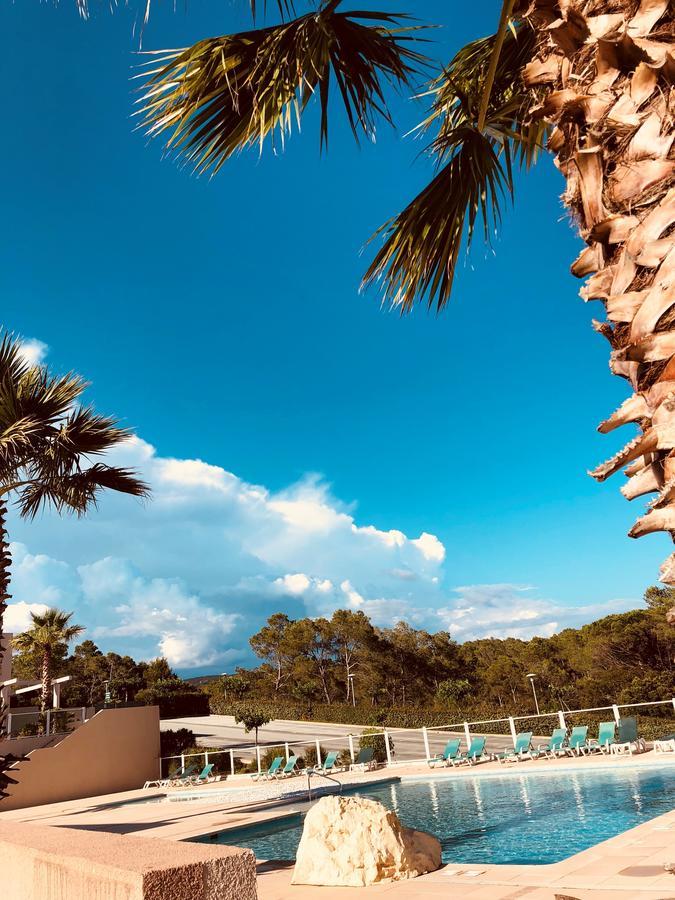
<point>5,574</point>
<point>45,693</point>
<point>604,77</point>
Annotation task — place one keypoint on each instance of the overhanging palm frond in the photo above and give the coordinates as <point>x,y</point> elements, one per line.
<point>229,92</point>
<point>419,257</point>
<point>77,492</point>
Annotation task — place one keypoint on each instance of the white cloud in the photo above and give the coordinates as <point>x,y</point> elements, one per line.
<point>192,573</point>
<point>18,616</point>
<point>33,350</point>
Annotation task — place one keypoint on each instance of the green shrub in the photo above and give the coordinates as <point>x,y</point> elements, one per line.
<point>173,743</point>
<point>270,754</point>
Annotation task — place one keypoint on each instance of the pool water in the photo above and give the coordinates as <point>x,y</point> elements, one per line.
<point>519,819</point>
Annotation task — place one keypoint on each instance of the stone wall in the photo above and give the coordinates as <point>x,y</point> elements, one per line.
<point>116,750</point>
<point>43,863</point>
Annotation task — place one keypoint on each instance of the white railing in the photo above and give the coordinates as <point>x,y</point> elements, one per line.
<point>424,733</point>
<point>56,721</point>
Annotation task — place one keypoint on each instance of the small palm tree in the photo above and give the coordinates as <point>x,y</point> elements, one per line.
<point>48,632</point>
<point>46,444</point>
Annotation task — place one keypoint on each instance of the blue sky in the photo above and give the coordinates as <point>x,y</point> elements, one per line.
<point>222,320</point>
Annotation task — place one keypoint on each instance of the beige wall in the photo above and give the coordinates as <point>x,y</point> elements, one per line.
<point>42,863</point>
<point>116,750</point>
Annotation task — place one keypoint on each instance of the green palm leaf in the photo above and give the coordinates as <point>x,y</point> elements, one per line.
<point>476,142</point>
<point>234,91</point>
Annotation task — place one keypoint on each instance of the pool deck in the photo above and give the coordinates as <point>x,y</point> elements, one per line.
<point>627,866</point>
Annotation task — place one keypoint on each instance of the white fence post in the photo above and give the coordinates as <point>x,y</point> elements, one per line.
<point>206,758</point>
<point>512,726</point>
<point>319,761</point>
<point>561,719</point>
<point>257,753</point>
<point>351,747</point>
<point>673,702</point>
<point>49,721</point>
<point>287,751</point>
<point>617,714</point>
<point>467,735</point>
<point>232,762</point>
<point>84,714</point>
<point>9,724</point>
<point>425,735</point>
<point>387,746</point>
<point>182,762</point>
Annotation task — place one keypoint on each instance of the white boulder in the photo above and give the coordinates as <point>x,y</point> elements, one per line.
<point>352,842</point>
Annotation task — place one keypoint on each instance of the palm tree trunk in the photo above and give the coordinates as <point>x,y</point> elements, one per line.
<point>5,571</point>
<point>45,693</point>
<point>604,73</point>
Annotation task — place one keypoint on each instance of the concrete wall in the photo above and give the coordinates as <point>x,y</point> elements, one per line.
<point>42,863</point>
<point>116,750</point>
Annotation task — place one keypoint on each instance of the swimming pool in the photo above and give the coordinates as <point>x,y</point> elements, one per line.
<point>519,819</point>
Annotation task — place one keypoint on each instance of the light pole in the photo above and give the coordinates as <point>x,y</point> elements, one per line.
<point>351,685</point>
<point>532,676</point>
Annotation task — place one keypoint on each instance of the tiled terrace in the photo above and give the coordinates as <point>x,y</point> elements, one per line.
<point>625,867</point>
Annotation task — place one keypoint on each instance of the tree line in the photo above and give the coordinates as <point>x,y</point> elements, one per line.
<point>346,660</point>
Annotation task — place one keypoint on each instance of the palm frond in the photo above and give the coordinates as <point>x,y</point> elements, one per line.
<point>230,92</point>
<point>419,256</point>
<point>418,259</point>
<point>77,492</point>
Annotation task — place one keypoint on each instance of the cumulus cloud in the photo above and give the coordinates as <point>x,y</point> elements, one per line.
<point>195,571</point>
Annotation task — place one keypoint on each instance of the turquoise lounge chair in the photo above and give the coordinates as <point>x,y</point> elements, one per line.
<point>605,739</point>
<point>473,755</point>
<point>183,776</point>
<point>204,776</point>
<point>577,742</point>
<point>628,740</point>
<point>262,776</point>
<point>449,753</point>
<point>328,763</point>
<point>364,760</point>
<point>288,769</point>
<point>520,750</point>
<point>554,747</point>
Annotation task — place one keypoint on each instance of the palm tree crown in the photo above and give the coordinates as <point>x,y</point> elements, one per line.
<point>49,631</point>
<point>47,446</point>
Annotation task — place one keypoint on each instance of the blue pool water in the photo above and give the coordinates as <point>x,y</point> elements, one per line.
<point>511,819</point>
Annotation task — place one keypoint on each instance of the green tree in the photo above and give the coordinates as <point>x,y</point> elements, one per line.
<point>272,643</point>
<point>49,632</point>
<point>47,442</point>
<point>353,636</point>
<point>252,718</point>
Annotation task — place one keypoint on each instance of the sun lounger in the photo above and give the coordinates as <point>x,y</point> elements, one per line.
<point>554,747</point>
<point>204,776</point>
<point>450,751</point>
<point>605,739</point>
<point>289,769</point>
<point>628,740</point>
<point>328,763</point>
<point>577,742</point>
<point>270,773</point>
<point>520,750</point>
<point>364,760</point>
<point>183,776</point>
<point>665,744</point>
<point>473,755</point>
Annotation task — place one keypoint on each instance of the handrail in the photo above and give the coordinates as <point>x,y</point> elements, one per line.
<point>310,772</point>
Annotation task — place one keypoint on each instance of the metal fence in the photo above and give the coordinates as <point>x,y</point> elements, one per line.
<point>407,745</point>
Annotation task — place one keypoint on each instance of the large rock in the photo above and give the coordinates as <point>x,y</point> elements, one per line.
<point>351,842</point>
